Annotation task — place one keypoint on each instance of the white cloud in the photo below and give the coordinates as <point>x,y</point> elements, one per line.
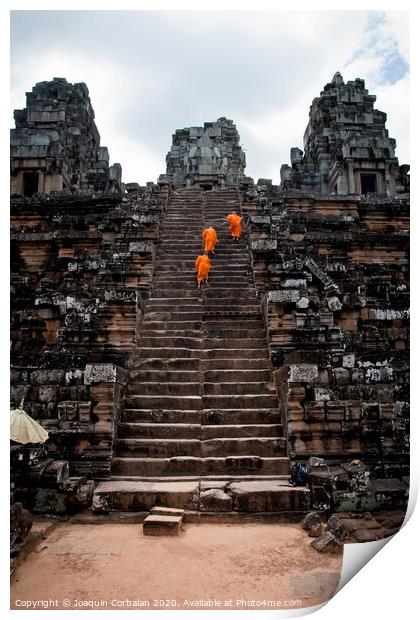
<point>394,100</point>
<point>398,23</point>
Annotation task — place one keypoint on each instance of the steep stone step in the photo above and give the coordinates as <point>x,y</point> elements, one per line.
<point>195,243</point>
<point>169,333</point>
<point>174,252</point>
<point>226,446</point>
<point>170,342</point>
<point>189,300</point>
<point>155,401</point>
<point>218,287</point>
<point>177,325</point>
<point>218,431</point>
<point>208,417</point>
<point>235,265</point>
<point>226,304</point>
<point>207,343</point>
<point>165,314</point>
<point>164,389</point>
<point>239,401</point>
<point>186,297</point>
<point>233,343</point>
<point>162,416</point>
<point>170,329</point>
<point>196,466</point>
<point>229,332</point>
<point>163,376</point>
<point>236,272</point>
<point>158,448</point>
<point>236,364</point>
<point>241,446</point>
<point>208,401</point>
<point>239,376</point>
<point>173,306</point>
<point>233,331</point>
<point>248,322</point>
<point>159,430</point>
<point>194,299</point>
<point>221,291</point>
<point>224,299</point>
<point>165,364</point>
<point>240,353</point>
<point>165,281</point>
<point>231,310</point>
<point>175,224</point>
<point>240,416</point>
<point>261,388</point>
<point>205,354</point>
<point>156,430</point>
<point>168,353</point>
<point>209,376</point>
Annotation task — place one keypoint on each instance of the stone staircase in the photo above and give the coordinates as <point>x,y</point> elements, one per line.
<point>201,410</point>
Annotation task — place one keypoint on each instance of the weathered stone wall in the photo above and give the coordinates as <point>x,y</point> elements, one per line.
<point>81,271</point>
<point>333,274</point>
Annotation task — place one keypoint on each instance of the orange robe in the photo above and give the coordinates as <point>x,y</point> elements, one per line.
<point>202,265</point>
<point>235,224</point>
<point>210,239</point>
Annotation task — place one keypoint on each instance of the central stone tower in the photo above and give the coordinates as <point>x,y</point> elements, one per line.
<point>207,157</point>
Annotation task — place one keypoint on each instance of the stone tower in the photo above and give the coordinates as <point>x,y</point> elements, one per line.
<point>56,144</point>
<point>208,156</point>
<point>347,149</point>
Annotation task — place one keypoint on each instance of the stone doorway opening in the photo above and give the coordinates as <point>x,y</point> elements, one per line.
<point>30,183</point>
<point>368,183</point>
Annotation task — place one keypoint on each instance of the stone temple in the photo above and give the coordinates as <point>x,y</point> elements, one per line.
<point>155,393</point>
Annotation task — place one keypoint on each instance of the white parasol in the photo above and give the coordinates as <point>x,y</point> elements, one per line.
<point>24,429</point>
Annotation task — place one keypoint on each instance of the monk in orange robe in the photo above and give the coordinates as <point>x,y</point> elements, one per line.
<point>210,240</point>
<point>202,266</point>
<point>235,225</point>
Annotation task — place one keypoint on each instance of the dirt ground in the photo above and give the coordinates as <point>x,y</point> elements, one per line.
<point>210,566</point>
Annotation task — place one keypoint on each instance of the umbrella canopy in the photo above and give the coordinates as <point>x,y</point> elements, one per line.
<point>24,429</point>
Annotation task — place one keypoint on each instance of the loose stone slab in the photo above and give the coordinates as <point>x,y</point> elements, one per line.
<point>327,543</point>
<point>169,512</point>
<point>312,524</point>
<point>162,525</point>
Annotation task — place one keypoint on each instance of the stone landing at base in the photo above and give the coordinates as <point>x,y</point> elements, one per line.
<point>251,496</point>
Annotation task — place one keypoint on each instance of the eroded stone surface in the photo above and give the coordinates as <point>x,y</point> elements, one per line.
<point>215,500</point>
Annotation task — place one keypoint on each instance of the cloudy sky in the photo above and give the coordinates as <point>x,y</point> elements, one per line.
<point>149,73</point>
